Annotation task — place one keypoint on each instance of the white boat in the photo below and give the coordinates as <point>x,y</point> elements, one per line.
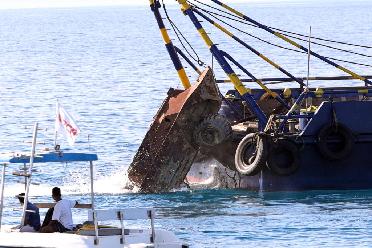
<point>90,235</point>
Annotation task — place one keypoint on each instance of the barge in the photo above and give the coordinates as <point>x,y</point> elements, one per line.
<point>297,138</point>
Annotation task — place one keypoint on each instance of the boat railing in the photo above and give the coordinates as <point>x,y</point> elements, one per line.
<point>121,215</point>
<point>52,204</point>
<point>279,80</point>
<point>56,156</point>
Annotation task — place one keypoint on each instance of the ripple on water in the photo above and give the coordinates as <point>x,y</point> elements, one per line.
<point>110,68</point>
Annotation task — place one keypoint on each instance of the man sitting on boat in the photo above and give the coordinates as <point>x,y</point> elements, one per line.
<point>59,218</point>
<point>32,216</point>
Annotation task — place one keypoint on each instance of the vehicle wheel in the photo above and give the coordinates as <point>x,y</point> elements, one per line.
<point>212,131</point>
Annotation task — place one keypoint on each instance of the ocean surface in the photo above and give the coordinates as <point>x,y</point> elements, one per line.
<point>108,67</point>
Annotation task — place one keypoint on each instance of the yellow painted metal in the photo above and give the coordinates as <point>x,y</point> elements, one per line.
<point>181,73</point>
<point>233,77</point>
<point>287,40</point>
<point>269,61</point>
<point>310,109</point>
<point>238,84</point>
<point>184,79</point>
<point>223,29</point>
<point>319,92</point>
<point>233,10</point>
<point>184,5</point>
<point>353,74</point>
<point>363,91</point>
<point>205,37</point>
<point>287,93</point>
<point>165,35</point>
<point>260,83</point>
<point>232,35</point>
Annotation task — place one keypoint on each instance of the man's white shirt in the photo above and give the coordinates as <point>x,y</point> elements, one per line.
<point>62,213</point>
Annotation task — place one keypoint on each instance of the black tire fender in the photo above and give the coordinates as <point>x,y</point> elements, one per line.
<point>283,158</point>
<point>343,148</point>
<point>250,154</point>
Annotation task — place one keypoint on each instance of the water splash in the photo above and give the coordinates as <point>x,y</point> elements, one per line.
<point>260,181</point>
<point>117,183</point>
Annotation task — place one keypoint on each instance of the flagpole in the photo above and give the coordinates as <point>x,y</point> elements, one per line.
<point>55,125</point>
<point>55,138</point>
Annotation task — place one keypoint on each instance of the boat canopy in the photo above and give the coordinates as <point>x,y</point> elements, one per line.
<point>53,156</point>
<point>32,157</point>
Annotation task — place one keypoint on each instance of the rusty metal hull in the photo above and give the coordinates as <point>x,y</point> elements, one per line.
<point>167,152</point>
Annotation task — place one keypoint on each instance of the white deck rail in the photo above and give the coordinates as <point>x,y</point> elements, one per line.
<point>121,215</point>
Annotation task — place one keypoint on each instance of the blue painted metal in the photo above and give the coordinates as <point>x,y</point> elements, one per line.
<point>172,53</point>
<point>291,111</point>
<point>356,115</point>
<point>252,50</point>
<point>328,93</point>
<point>295,116</point>
<point>268,29</point>
<point>262,119</point>
<point>317,172</point>
<point>194,67</point>
<point>316,169</point>
<point>155,5</point>
<point>247,97</point>
<point>49,157</point>
<point>251,76</point>
<point>231,110</point>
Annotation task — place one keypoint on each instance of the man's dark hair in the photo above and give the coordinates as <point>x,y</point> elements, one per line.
<point>56,191</point>
<point>21,197</point>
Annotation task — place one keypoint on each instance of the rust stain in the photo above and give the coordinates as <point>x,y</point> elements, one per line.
<point>166,153</point>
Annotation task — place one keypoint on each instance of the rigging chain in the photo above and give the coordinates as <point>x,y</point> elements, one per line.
<point>178,34</point>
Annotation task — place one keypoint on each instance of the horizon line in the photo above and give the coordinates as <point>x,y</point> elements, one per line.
<point>42,4</point>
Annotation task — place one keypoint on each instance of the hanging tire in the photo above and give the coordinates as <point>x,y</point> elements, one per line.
<point>283,158</point>
<point>212,131</point>
<point>335,142</point>
<point>250,156</point>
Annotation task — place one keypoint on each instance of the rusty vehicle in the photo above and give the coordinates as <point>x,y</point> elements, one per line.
<point>171,144</point>
<point>287,138</point>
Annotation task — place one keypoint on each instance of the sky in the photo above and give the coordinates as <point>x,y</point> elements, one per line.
<point>18,4</point>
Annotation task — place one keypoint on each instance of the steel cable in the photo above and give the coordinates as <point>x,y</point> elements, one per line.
<point>335,48</point>
<point>279,46</point>
<point>241,20</point>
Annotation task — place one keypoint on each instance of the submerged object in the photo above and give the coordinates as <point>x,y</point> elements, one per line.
<point>265,139</point>
<point>169,147</point>
<point>330,150</point>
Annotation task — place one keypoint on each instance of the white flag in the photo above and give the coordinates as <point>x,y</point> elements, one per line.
<point>66,124</point>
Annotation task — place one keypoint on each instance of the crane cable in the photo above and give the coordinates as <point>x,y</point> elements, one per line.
<point>267,42</point>
<point>240,20</point>
<point>243,21</point>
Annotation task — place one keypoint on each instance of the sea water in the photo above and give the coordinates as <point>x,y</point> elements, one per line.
<point>108,67</point>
